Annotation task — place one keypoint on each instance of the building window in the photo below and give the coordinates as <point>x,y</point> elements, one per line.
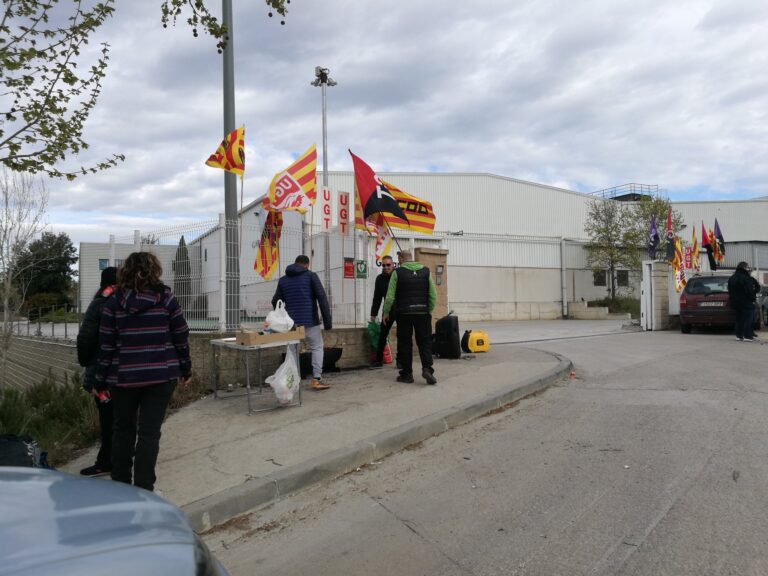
<point>598,277</point>
<point>622,278</point>
<point>103,263</point>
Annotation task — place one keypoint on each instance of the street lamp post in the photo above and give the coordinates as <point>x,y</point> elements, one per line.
<point>322,79</point>
<point>231,312</point>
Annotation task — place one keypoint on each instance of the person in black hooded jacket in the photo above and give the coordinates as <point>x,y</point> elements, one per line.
<point>741,293</point>
<point>87,352</point>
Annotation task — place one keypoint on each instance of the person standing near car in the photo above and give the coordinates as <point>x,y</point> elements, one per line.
<point>741,293</point>
<point>143,352</point>
<point>87,353</point>
<point>302,292</point>
<point>379,293</point>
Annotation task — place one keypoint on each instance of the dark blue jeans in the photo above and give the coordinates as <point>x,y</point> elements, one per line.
<point>744,317</point>
<point>139,414</point>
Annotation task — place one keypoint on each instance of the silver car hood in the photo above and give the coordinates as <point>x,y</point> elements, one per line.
<point>50,517</point>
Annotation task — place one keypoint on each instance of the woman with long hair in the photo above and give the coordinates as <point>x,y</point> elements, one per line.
<point>144,351</point>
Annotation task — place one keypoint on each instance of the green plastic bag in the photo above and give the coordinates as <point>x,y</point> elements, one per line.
<point>374,329</point>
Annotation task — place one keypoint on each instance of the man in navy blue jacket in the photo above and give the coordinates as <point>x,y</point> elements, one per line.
<point>302,292</point>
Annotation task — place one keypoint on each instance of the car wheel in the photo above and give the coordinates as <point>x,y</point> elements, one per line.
<point>685,328</point>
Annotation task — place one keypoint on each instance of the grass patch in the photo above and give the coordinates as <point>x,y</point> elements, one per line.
<point>619,305</point>
<point>62,417</point>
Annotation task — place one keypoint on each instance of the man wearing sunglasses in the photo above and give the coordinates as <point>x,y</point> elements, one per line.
<point>379,293</point>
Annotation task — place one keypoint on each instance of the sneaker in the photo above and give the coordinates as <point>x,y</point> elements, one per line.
<point>94,471</point>
<point>739,339</point>
<point>375,366</point>
<point>429,376</point>
<point>750,339</point>
<point>407,378</point>
<point>317,384</point>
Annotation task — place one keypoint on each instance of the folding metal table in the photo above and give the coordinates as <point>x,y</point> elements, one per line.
<point>245,350</point>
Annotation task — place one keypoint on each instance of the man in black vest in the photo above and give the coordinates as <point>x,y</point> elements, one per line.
<point>382,285</point>
<point>413,294</point>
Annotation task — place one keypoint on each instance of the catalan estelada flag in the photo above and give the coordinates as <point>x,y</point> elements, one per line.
<point>295,187</point>
<point>230,155</point>
<point>268,254</point>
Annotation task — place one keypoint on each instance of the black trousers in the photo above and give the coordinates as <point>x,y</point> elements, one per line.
<point>383,333</point>
<point>407,324</point>
<point>744,319</point>
<point>104,458</point>
<point>139,414</point>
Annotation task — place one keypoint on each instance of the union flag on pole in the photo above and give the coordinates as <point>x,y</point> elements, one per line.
<point>268,254</point>
<point>295,187</point>
<point>419,213</point>
<point>707,245</point>
<point>677,264</point>
<point>695,252</point>
<point>373,195</point>
<point>230,155</point>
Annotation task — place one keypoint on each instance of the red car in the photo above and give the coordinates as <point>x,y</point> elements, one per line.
<point>705,302</point>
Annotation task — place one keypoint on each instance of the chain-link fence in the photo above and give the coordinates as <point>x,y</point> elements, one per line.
<point>212,267</point>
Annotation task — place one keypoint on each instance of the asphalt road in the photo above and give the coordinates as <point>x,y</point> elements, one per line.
<point>653,461</point>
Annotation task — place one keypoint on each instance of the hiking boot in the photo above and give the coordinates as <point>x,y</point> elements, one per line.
<point>94,471</point>
<point>407,378</point>
<point>429,376</point>
<point>375,366</point>
<point>317,384</point>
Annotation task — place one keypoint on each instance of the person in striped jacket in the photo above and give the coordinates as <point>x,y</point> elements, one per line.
<point>143,352</point>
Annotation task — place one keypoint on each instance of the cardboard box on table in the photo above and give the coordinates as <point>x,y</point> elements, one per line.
<point>247,338</point>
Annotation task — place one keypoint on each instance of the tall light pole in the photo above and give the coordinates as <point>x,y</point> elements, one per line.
<point>232,285</point>
<point>323,79</point>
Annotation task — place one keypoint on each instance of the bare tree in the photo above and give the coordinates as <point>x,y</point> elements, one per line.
<point>22,212</point>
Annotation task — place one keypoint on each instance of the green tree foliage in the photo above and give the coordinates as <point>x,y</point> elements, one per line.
<point>614,238</point>
<point>45,98</point>
<point>46,266</point>
<point>199,16</point>
<point>657,206</point>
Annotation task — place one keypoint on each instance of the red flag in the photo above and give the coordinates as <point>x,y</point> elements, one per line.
<point>374,196</point>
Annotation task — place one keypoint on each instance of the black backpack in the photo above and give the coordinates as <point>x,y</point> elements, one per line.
<point>20,451</point>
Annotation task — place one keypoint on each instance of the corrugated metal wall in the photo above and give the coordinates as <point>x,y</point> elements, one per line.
<point>488,204</point>
<point>739,220</point>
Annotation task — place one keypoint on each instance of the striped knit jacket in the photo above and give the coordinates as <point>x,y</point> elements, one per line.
<point>143,339</point>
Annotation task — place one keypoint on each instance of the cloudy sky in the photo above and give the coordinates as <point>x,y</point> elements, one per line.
<point>583,95</point>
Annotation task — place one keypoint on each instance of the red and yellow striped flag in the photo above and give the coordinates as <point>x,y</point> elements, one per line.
<point>695,252</point>
<point>295,187</point>
<point>421,217</point>
<point>268,255</point>
<point>230,155</point>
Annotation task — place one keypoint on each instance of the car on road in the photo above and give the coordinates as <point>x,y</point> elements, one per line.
<point>57,523</point>
<point>705,302</point>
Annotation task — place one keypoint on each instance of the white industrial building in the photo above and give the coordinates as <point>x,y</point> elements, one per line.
<point>516,249</point>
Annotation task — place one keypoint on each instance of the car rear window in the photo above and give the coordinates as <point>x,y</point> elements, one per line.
<point>707,285</point>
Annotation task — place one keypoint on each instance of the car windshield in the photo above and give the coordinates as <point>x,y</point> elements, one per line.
<point>707,285</point>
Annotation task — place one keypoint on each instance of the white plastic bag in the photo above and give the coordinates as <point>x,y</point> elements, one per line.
<point>278,320</point>
<point>285,381</point>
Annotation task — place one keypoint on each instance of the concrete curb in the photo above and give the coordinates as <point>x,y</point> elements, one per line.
<point>216,509</point>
